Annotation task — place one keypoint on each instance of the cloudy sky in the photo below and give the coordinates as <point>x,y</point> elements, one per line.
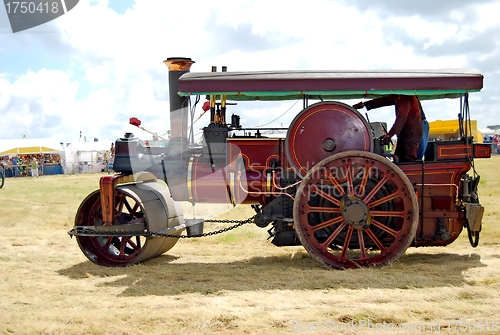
<point>102,62</point>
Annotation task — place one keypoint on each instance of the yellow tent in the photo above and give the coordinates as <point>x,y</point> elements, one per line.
<point>29,146</point>
<point>28,150</point>
<point>451,129</point>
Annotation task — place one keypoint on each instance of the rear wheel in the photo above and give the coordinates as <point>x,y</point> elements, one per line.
<point>355,209</point>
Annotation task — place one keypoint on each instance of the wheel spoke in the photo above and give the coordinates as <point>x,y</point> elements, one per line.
<point>106,245</point>
<point>327,196</point>
<point>384,199</point>
<point>336,184</point>
<point>347,240</point>
<point>376,189</point>
<point>361,241</point>
<point>127,240</point>
<point>122,247</point>
<point>119,209</point>
<point>328,223</point>
<point>382,226</point>
<point>129,208</point>
<point>348,176</point>
<point>134,210</point>
<point>334,235</point>
<point>364,180</point>
<point>323,210</point>
<point>375,240</point>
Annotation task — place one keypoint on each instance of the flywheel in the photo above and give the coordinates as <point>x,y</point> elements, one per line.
<point>322,130</point>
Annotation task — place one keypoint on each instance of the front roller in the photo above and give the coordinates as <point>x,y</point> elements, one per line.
<point>140,209</point>
<point>355,209</point>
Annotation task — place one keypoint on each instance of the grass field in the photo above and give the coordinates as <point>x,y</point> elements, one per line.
<point>234,283</point>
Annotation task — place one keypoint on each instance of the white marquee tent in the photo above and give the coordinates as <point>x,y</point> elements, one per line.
<point>84,157</point>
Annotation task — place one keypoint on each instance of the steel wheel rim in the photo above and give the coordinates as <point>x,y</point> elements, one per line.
<point>112,250</point>
<point>375,191</point>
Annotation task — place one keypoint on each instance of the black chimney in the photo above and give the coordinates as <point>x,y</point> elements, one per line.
<point>179,110</point>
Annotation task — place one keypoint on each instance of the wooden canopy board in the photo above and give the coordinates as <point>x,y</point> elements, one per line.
<point>291,85</point>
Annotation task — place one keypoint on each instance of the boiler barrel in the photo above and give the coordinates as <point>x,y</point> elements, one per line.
<point>224,184</point>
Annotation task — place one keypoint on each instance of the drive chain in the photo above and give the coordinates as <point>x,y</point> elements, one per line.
<point>238,223</point>
<point>84,231</point>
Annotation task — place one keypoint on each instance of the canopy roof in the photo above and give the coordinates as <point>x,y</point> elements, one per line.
<point>291,85</point>
<point>29,146</point>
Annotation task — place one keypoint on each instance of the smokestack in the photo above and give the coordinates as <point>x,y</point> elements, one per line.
<point>179,111</point>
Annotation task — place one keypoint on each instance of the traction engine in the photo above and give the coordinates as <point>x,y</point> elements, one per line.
<point>330,185</point>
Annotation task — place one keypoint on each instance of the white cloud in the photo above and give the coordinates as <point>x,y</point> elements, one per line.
<point>32,100</point>
<point>98,75</point>
<point>4,90</point>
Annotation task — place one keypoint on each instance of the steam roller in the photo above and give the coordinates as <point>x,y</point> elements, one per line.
<point>139,208</point>
<point>328,185</point>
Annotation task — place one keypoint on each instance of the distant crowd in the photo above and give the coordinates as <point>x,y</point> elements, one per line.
<point>28,165</point>
<point>495,143</point>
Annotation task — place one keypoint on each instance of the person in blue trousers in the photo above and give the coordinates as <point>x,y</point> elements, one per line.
<point>15,167</point>
<point>422,145</point>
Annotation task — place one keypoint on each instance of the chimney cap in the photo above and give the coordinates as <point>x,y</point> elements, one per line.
<point>178,63</point>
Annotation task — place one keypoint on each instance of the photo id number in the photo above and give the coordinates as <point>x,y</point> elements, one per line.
<point>23,7</point>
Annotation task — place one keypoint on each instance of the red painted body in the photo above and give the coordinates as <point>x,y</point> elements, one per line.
<point>437,185</point>
<point>247,179</point>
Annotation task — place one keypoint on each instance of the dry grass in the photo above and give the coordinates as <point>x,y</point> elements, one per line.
<point>237,283</point>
